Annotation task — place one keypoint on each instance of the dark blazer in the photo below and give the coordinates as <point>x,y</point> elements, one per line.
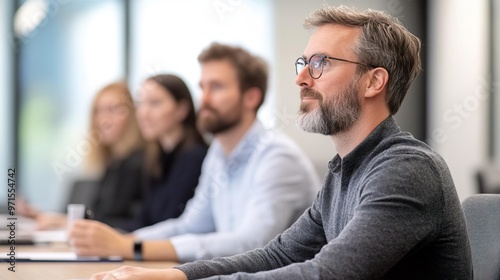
<point>119,192</point>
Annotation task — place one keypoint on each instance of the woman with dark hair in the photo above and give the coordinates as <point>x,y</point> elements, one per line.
<point>174,156</point>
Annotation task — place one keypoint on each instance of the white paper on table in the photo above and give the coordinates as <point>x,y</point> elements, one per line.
<point>47,236</point>
<point>62,257</point>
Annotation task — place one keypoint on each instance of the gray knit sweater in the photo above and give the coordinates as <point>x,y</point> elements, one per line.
<point>387,210</point>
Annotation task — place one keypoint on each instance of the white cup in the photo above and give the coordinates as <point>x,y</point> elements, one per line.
<point>75,212</point>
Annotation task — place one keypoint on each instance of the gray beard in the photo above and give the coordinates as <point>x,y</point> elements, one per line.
<point>334,115</point>
<point>312,122</point>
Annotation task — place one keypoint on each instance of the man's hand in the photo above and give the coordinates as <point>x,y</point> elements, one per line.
<point>93,238</point>
<point>139,273</point>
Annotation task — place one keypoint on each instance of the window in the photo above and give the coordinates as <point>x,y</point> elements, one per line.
<point>77,49</point>
<point>7,49</point>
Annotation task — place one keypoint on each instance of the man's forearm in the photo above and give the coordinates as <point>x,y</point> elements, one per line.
<point>159,250</point>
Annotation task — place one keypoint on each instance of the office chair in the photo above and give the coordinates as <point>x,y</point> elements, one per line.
<point>83,192</point>
<point>488,178</point>
<point>482,215</point>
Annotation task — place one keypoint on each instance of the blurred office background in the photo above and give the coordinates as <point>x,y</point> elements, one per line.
<point>56,54</point>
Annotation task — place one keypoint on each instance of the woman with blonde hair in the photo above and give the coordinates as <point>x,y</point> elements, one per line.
<point>116,158</point>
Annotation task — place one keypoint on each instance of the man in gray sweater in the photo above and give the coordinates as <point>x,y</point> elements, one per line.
<point>388,208</point>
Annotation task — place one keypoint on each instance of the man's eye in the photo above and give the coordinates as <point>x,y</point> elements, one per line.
<point>217,87</point>
<point>317,64</point>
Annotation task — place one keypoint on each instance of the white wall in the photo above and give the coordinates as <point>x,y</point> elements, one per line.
<point>458,92</point>
<point>495,87</point>
<point>291,40</point>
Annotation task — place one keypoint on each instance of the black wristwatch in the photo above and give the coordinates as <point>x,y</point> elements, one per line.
<point>138,250</point>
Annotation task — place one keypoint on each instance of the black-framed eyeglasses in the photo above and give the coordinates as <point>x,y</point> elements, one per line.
<point>317,62</point>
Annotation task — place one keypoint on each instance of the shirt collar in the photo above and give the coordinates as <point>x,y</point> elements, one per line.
<point>354,158</point>
<point>245,147</point>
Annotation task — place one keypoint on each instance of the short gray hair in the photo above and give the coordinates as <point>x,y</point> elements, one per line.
<point>383,42</point>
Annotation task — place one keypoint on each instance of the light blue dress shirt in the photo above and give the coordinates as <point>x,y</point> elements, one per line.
<point>243,200</point>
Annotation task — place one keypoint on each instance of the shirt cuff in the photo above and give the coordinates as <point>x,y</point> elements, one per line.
<point>187,247</point>
<point>147,234</point>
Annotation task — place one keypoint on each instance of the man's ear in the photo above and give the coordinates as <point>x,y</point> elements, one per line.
<point>252,98</point>
<point>377,82</point>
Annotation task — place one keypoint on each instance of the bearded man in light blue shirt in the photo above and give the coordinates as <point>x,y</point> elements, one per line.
<point>255,181</point>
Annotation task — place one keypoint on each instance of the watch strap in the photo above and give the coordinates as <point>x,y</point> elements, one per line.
<point>138,250</point>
